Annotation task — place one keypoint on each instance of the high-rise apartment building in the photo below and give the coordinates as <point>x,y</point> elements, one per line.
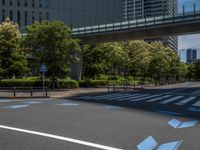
<point>138,9</point>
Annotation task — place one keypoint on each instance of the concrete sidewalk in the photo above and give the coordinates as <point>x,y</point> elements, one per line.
<point>53,94</point>
<point>79,91</point>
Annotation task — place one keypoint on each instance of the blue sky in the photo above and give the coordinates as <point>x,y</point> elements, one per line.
<point>189,41</point>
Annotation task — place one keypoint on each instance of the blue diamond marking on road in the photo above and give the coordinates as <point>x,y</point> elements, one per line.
<point>170,146</point>
<point>168,112</point>
<point>188,124</point>
<point>32,102</point>
<point>110,107</point>
<point>194,109</point>
<point>16,106</point>
<point>148,144</point>
<point>178,124</point>
<point>6,101</point>
<point>174,123</point>
<point>68,104</point>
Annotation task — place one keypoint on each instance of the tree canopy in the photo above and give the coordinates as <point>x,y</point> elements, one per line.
<point>12,57</point>
<point>51,43</point>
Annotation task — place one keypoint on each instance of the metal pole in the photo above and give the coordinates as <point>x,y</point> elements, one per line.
<point>43,78</point>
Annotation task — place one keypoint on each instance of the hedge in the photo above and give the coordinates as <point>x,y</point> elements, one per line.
<point>36,83</point>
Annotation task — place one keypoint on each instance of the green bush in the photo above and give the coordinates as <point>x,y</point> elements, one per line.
<point>68,84</point>
<point>36,82</point>
<point>93,83</point>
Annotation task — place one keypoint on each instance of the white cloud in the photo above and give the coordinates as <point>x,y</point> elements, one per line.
<point>189,41</point>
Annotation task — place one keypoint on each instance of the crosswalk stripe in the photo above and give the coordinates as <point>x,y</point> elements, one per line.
<point>130,97</point>
<point>144,98</point>
<point>139,96</point>
<point>171,99</point>
<point>159,98</point>
<point>183,102</point>
<point>106,96</point>
<point>197,104</point>
<point>120,96</point>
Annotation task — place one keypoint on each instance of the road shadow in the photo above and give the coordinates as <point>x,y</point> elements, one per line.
<point>186,110</point>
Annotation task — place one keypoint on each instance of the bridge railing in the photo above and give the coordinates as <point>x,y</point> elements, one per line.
<point>127,25</point>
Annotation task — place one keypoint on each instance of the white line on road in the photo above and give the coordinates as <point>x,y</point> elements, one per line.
<point>60,138</point>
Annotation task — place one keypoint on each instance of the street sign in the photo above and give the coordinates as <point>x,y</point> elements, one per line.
<point>43,68</point>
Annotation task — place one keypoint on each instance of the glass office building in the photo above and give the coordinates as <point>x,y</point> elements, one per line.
<point>75,13</point>
<point>138,9</point>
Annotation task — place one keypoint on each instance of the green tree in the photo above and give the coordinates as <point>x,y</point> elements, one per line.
<point>94,61</point>
<point>51,43</point>
<point>139,56</point>
<point>159,64</point>
<point>12,57</point>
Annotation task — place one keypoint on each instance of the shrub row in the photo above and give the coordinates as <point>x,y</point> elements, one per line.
<point>37,83</point>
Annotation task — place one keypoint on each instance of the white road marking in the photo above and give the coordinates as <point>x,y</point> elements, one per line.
<point>159,98</point>
<point>85,143</point>
<point>106,96</point>
<point>197,104</point>
<point>130,97</point>
<point>183,102</point>
<point>119,97</point>
<point>171,99</point>
<point>139,96</point>
<point>144,98</point>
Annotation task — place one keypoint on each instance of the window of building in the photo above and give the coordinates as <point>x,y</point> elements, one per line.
<point>11,15</point>
<point>18,17</point>
<point>3,15</point>
<point>11,3</point>
<point>47,3</point>
<point>3,2</point>
<point>47,15</point>
<point>18,3</point>
<point>40,3</point>
<point>33,3</point>
<point>25,3</point>
<point>40,16</point>
<point>33,17</point>
<point>26,18</point>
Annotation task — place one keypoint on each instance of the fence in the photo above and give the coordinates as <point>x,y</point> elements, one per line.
<point>24,92</point>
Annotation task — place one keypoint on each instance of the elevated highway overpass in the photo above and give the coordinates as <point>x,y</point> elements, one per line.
<point>185,23</point>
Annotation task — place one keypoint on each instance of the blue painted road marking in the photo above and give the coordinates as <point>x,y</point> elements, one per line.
<point>109,107</point>
<point>168,112</point>
<point>6,101</point>
<point>178,124</point>
<point>15,106</point>
<point>194,109</point>
<point>32,102</point>
<point>174,123</point>
<point>188,124</point>
<point>68,104</point>
<point>148,144</point>
<point>170,146</point>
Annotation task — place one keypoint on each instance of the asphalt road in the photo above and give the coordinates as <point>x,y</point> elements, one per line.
<point>111,121</point>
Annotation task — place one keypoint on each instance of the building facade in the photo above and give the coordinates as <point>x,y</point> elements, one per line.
<point>76,13</point>
<point>138,9</point>
<point>191,55</point>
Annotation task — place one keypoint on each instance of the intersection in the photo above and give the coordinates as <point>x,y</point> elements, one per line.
<point>161,116</point>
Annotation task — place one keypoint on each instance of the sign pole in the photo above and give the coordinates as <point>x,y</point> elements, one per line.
<point>43,82</point>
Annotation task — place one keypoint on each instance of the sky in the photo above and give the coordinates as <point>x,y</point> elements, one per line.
<point>189,41</point>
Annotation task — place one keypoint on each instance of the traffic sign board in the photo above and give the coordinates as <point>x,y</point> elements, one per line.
<point>43,68</point>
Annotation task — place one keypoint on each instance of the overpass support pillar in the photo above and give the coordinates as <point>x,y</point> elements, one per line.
<point>76,68</point>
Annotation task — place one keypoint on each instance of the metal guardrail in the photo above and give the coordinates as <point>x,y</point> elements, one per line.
<point>146,22</point>
<point>24,92</point>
